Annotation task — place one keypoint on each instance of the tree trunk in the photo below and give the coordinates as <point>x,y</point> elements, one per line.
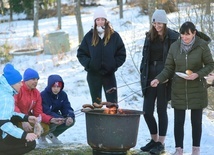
<point>36,19</point>
<point>11,10</point>
<point>151,9</point>
<point>121,9</point>
<point>79,21</point>
<point>208,9</point>
<point>2,7</point>
<point>59,27</point>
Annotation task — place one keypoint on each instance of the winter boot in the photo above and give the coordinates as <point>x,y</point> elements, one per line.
<point>148,146</point>
<point>157,149</point>
<point>42,141</point>
<point>53,138</point>
<point>179,151</point>
<point>195,150</point>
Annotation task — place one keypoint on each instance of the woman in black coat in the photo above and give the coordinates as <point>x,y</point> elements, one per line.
<point>101,53</point>
<point>155,50</point>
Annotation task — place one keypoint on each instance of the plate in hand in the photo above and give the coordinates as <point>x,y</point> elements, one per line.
<point>183,75</point>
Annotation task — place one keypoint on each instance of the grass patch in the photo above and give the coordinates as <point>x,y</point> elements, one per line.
<point>66,149</point>
<point>72,149</point>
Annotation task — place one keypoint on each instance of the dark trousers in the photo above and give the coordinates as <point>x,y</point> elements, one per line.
<point>13,146</point>
<point>57,130</point>
<point>96,82</point>
<point>196,121</point>
<point>156,95</point>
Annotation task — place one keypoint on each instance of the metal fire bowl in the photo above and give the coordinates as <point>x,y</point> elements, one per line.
<point>117,132</point>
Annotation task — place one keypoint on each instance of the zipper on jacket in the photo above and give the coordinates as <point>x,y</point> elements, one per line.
<point>186,86</point>
<point>31,106</point>
<point>102,50</point>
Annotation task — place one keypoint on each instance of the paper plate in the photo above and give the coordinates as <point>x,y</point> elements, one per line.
<point>183,75</point>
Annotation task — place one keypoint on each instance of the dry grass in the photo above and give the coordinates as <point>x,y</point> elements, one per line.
<point>72,149</point>
<point>65,149</point>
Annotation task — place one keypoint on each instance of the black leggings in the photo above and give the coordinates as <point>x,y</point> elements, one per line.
<point>13,146</point>
<point>152,95</point>
<point>196,121</point>
<point>149,106</point>
<point>96,82</point>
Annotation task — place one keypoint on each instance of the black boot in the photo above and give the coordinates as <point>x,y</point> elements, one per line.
<point>148,146</point>
<point>157,149</point>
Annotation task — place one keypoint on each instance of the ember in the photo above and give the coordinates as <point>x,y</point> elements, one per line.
<point>112,110</point>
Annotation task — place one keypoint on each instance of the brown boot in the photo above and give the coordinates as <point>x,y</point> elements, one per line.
<point>195,150</point>
<point>178,151</point>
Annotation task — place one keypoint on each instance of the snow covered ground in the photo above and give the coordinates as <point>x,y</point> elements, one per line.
<point>132,29</point>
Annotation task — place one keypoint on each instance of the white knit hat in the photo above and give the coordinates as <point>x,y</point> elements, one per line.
<point>159,16</point>
<point>100,13</point>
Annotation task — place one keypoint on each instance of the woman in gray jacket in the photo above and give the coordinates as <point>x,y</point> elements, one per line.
<point>190,52</point>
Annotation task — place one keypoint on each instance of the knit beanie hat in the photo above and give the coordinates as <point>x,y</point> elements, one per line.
<point>159,16</point>
<point>11,74</point>
<point>57,84</point>
<point>30,74</point>
<point>100,13</point>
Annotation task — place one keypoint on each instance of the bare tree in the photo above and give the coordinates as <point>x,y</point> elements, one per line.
<point>151,9</point>
<point>208,9</point>
<point>11,11</point>
<point>2,7</point>
<point>79,21</point>
<point>59,14</point>
<point>36,18</point>
<point>121,9</point>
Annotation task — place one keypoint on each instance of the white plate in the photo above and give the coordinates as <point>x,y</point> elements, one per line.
<point>183,75</point>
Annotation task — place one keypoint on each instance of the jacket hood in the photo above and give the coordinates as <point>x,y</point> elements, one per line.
<point>51,80</point>
<point>5,87</point>
<point>203,36</point>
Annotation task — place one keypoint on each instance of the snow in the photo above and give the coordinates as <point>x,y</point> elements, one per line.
<point>132,29</point>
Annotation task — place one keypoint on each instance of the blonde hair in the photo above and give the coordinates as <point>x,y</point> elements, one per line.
<point>108,32</point>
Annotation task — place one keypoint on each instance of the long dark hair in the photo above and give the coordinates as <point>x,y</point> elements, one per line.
<point>108,32</point>
<point>185,27</point>
<point>153,33</point>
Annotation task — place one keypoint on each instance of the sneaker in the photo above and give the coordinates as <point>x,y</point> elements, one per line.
<point>178,151</point>
<point>195,150</point>
<point>148,146</point>
<point>42,140</point>
<point>53,138</point>
<point>157,149</point>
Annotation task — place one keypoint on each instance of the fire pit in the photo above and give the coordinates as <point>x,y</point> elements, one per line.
<point>112,134</point>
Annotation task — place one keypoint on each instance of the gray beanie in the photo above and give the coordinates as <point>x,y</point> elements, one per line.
<point>159,16</point>
<point>100,13</point>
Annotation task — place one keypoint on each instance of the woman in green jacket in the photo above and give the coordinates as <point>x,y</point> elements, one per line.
<point>190,52</point>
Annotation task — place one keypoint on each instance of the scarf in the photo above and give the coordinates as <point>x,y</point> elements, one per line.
<point>187,47</point>
<point>101,30</point>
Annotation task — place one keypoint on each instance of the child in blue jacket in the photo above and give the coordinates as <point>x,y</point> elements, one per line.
<point>55,103</point>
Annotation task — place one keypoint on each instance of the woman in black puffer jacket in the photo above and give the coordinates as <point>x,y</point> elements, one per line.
<point>101,53</point>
